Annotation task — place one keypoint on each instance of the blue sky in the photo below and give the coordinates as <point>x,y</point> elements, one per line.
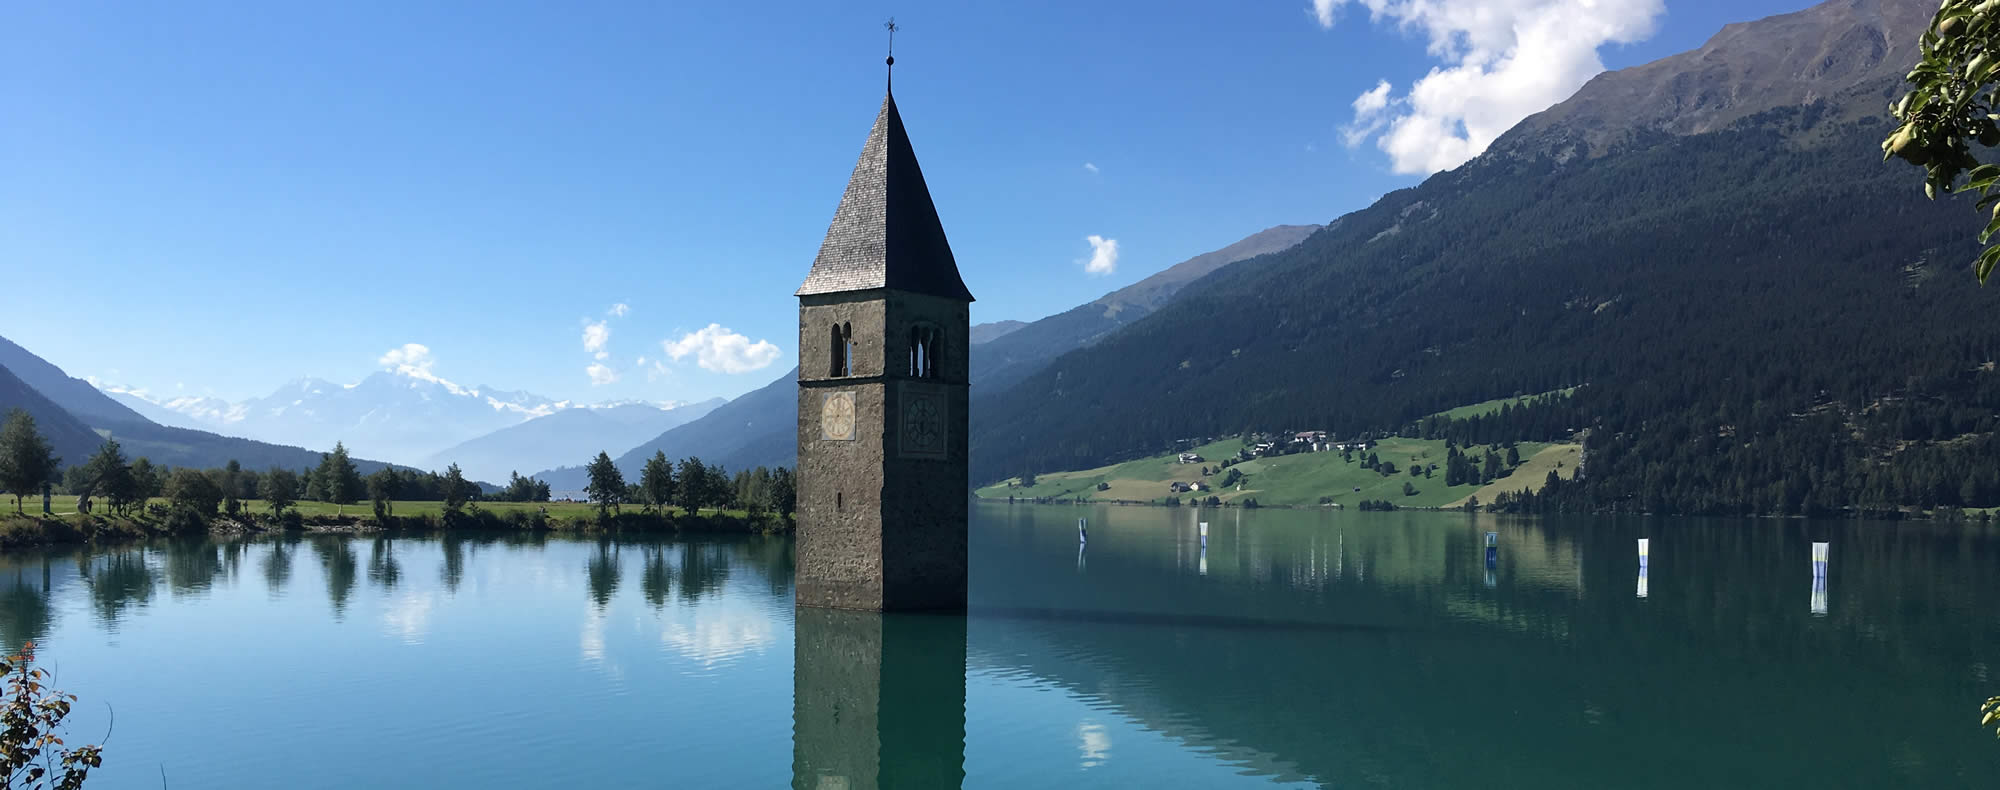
<point>216,198</point>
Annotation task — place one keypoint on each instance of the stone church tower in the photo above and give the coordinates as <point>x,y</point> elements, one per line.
<point>883,325</point>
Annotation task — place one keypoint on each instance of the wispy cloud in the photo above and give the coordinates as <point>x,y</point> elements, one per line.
<point>618,310</point>
<point>1090,167</point>
<point>600,374</point>
<point>716,348</point>
<point>415,361</point>
<point>1103,255</point>
<point>1499,61</point>
<point>1323,11</point>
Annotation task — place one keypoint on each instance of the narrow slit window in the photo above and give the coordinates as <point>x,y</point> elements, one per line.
<point>837,352</point>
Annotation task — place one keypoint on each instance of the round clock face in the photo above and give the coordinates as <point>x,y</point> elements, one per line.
<point>836,416</point>
<point>923,425</point>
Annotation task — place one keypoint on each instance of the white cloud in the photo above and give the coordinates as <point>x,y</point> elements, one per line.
<point>595,336</point>
<point>1502,60</point>
<point>721,350</point>
<point>1103,255</point>
<point>415,361</point>
<point>618,310</point>
<point>1368,115</point>
<point>1090,167</point>
<point>1323,11</point>
<point>600,374</point>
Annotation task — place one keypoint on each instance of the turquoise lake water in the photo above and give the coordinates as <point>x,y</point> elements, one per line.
<point>1300,649</point>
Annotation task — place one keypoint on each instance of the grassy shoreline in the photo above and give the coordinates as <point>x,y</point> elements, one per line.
<point>409,518</point>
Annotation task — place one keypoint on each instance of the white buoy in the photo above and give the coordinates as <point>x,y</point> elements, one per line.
<point>1819,579</point>
<point>1644,545</point>
<point>1204,535</point>
<point>1082,532</point>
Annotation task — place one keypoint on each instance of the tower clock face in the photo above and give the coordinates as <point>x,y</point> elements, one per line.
<point>921,422</point>
<point>836,416</point>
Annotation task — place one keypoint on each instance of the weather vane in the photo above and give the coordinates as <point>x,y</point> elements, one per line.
<point>891,27</point>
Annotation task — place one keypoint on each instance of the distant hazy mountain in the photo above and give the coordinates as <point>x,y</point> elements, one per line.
<point>570,436</point>
<point>994,330</point>
<point>758,428</point>
<point>1015,355</point>
<point>86,405</point>
<point>397,416</point>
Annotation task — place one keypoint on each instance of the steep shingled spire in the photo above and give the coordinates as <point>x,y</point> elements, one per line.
<point>886,233</point>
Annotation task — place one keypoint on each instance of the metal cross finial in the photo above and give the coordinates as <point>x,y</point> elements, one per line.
<point>892,28</point>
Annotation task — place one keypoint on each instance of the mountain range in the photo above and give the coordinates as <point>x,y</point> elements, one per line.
<point>1758,313</point>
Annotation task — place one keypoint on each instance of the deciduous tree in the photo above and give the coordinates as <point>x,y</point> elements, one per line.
<point>26,460</point>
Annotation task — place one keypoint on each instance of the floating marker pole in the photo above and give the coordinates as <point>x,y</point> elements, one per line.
<point>1644,545</point>
<point>1492,549</point>
<point>1082,533</point>
<point>1204,536</point>
<point>1819,579</point>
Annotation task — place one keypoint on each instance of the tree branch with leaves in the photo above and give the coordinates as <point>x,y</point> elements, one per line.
<point>1951,106</point>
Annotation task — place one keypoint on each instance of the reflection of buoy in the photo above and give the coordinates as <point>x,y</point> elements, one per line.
<point>1203,564</point>
<point>1204,535</point>
<point>1492,550</point>
<point>1082,534</point>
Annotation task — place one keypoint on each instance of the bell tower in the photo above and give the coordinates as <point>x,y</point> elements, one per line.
<point>883,326</point>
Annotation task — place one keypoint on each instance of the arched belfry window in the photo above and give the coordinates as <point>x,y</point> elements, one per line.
<point>841,350</point>
<point>924,351</point>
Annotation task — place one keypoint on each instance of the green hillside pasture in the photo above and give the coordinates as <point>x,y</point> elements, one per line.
<point>1299,479</point>
<point>1492,406</point>
<point>1140,480</point>
<point>1533,471</point>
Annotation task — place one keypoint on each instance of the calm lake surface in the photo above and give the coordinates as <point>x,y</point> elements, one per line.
<point>1300,649</point>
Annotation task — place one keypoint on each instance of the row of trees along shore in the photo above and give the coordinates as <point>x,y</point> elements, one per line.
<point>29,467</point>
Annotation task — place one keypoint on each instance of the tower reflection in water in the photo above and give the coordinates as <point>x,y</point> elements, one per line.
<point>878,701</point>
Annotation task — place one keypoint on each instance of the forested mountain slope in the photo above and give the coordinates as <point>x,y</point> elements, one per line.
<point>998,364</point>
<point>1766,316</point>
<point>72,440</point>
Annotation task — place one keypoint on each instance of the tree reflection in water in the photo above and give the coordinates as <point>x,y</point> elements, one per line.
<point>601,569</point>
<point>383,570</point>
<point>704,567</point>
<point>336,559</point>
<point>117,582</point>
<point>25,612</point>
<point>192,566</point>
<point>277,564</point>
<point>656,580</point>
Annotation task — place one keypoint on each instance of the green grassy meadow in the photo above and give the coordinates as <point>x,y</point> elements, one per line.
<point>1483,408</point>
<point>1299,479</point>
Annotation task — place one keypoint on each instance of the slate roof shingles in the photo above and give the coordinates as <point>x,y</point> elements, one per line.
<point>886,233</point>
